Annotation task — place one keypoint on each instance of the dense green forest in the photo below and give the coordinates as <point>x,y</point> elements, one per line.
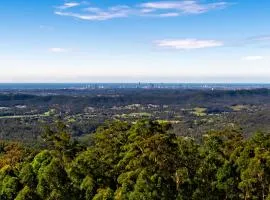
<point>139,160</point>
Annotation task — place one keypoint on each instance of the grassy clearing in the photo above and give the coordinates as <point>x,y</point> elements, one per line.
<point>200,112</point>
<point>239,107</point>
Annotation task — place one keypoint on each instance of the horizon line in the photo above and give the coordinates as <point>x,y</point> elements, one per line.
<point>139,82</point>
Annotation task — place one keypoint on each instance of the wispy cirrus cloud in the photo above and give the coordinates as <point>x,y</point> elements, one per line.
<point>69,5</point>
<point>188,44</point>
<point>252,58</point>
<point>169,14</point>
<point>260,38</point>
<point>183,7</point>
<point>257,41</point>
<point>97,14</point>
<point>59,50</point>
<point>148,9</point>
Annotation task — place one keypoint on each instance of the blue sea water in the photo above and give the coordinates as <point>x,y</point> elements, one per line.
<point>51,86</point>
<point>34,86</point>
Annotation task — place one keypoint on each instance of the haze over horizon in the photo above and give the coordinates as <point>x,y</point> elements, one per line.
<point>147,41</point>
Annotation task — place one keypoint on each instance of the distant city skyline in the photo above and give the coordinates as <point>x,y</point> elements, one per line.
<point>203,41</point>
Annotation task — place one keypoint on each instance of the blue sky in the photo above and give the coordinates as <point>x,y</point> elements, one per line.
<point>130,41</point>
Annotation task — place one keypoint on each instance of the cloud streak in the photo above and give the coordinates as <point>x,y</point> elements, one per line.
<point>261,38</point>
<point>59,50</point>
<point>253,58</point>
<point>183,7</point>
<point>148,9</point>
<point>69,5</point>
<point>96,14</point>
<point>188,44</point>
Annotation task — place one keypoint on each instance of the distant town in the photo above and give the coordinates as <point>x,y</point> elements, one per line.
<point>93,86</point>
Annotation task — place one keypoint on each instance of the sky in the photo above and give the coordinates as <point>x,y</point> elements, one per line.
<point>132,41</point>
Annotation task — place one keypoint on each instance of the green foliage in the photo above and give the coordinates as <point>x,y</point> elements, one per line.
<point>104,194</point>
<point>151,157</point>
<point>144,160</point>
<point>9,183</point>
<point>27,194</point>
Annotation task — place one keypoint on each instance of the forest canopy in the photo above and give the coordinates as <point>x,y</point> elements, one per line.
<point>142,160</point>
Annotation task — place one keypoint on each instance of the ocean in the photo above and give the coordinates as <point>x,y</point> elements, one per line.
<point>79,86</point>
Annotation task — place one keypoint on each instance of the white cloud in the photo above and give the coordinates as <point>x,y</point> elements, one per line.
<point>97,14</point>
<point>188,44</point>
<point>184,7</point>
<point>253,58</point>
<point>149,9</point>
<point>69,5</point>
<point>170,14</point>
<point>99,17</point>
<point>59,50</point>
